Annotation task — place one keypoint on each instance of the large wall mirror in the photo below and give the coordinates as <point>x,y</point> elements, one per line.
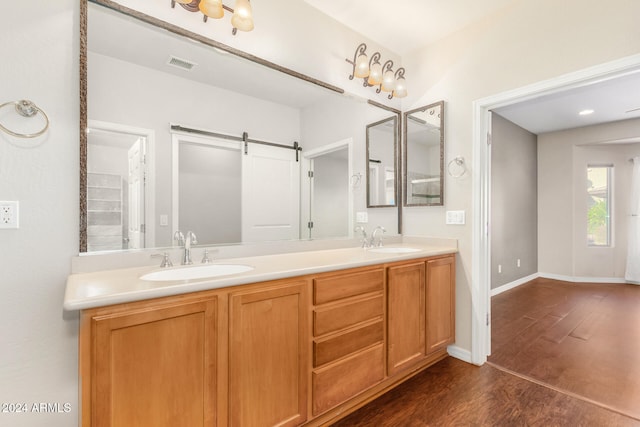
<point>183,133</point>
<point>382,141</point>
<point>424,155</point>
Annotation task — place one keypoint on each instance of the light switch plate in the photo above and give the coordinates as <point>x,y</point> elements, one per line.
<point>9,215</point>
<point>362,217</point>
<point>455,218</point>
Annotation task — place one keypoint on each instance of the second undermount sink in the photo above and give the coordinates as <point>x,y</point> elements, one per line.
<point>392,250</point>
<point>198,272</point>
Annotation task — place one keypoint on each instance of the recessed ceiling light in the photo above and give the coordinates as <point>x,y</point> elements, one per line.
<point>585,112</point>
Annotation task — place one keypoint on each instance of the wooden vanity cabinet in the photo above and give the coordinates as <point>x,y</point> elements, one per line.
<point>406,301</point>
<point>300,351</point>
<point>421,310</point>
<point>441,288</point>
<point>268,357</point>
<point>348,335</point>
<point>150,364</point>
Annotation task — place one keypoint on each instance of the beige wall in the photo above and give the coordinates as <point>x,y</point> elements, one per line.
<point>514,202</point>
<point>563,158</point>
<point>525,43</point>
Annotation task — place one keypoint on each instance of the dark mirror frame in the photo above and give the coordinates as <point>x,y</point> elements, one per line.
<point>396,175</point>
<point>181,32</point>
<point>406,153</point>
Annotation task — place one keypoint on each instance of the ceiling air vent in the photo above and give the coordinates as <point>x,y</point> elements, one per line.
<point>181,63</point>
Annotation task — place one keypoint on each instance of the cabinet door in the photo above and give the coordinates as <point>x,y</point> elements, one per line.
<point>406,316</point>
<point>440,303</point>
<point>268,356</point>
<point>155,366</point>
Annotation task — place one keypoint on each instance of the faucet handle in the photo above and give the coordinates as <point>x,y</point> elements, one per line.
<point>192,237</point>
<point>205,258</point>
<point>365,243</point>
<point>179,237</point>
<point>166,261</point>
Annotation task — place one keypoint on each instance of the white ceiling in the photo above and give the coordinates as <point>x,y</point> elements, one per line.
<point>406,25</point>
<point>403,26</point>
<point>611,100</point>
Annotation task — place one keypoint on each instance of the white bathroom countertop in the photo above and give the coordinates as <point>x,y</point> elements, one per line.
<point>102,288</point>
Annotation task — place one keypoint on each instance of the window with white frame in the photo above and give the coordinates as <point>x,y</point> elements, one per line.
<point>599,204</point>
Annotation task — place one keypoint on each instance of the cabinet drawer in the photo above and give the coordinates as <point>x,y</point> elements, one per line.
<point>337,383</point>
<point>332,319</point>
<point>349,342</point>
<point>332,288</point>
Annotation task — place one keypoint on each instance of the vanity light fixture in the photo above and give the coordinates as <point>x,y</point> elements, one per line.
<point>374,74</point>
<point>242,18</point>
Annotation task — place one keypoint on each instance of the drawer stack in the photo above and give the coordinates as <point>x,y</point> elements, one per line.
<point>348,336</point>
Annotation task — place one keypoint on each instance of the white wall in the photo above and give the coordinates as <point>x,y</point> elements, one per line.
<point>527,42</point>
<point>563,158</point>
<point>38,343</point>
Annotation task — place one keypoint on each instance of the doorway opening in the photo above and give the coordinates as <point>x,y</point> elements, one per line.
<point>481,268</point>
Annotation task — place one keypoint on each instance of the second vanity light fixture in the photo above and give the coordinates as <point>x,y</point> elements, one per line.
<point>242,18</point>
<point>375,74</point>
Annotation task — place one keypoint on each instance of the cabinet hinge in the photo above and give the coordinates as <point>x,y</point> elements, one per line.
<point>310,173</point>
<point>310,224</point>
<point>487,319</point>
<point>488,138</point>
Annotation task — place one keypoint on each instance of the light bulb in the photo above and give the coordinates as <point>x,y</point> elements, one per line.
<point>401,88</point>
<point>211,8</point>
<point>242,18</point>
<point>388,81</point>
<point>362,66</point>
<point>375,74</point>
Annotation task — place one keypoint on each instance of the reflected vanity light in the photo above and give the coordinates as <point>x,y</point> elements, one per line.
<point>242,18</point>
<point>374,74</point>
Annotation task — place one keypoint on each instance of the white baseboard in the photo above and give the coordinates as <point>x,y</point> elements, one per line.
<point>561,277</point>
<point>459,353</point>
<point>583,279</point>
<point>514,284</point>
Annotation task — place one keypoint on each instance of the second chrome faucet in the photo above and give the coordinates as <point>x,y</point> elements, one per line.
<point>371,243</point>
<point>186,240</point>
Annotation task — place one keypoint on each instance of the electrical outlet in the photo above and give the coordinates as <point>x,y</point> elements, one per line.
<point>362,217</point>
<point>8,215</point>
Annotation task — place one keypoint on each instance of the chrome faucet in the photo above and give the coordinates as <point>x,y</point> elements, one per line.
<point>373,243</point>
<point>186,242</point>
<point>365,242</point>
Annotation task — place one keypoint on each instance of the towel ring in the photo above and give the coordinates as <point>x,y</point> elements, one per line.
<point>26,108</point>
<point>459,161</point>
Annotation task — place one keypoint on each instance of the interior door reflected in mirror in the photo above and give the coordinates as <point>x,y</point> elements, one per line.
<point>381,163</point>
<point>424,156</point>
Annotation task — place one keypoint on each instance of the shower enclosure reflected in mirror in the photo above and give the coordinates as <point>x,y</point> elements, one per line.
<point>131,83</point>
<point>382,138</point>
<point>424,156</point>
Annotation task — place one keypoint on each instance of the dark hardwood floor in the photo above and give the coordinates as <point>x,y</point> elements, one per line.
<point>580,338</point>
<point>564,354</point>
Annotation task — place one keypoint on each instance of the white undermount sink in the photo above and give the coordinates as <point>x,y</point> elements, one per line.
<point>392,250</point>
<point>198,272</point>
